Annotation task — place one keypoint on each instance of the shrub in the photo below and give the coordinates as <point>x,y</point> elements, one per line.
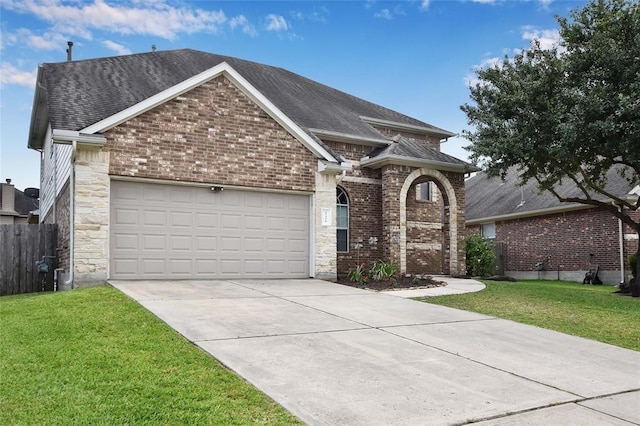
<point>633,264</point>
<point>481,261</point>
<point>383,271</point>
<point>358,275</point>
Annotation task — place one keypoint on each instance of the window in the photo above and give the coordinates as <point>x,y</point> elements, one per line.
<point>423,191</point>
<point>342,220</point>
<point>489,231</point>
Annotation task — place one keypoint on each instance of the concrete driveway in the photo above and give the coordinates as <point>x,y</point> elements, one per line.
<point>333,354</point>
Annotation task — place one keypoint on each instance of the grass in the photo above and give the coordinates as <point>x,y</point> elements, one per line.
<point>94,356</point>
<point>594,312</point>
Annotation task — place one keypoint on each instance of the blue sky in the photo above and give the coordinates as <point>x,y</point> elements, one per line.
<point>416,57</point>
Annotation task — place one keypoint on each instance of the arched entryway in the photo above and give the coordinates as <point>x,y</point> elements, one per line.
<point>442,225</point>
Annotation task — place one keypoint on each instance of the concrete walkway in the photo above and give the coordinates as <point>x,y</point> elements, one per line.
<point>454,286</point>
<point>334,354</point>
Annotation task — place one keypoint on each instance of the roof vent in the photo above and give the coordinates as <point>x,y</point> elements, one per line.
<point>153,47</point>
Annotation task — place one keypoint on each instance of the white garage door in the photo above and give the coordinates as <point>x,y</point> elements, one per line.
<point>181,232</point>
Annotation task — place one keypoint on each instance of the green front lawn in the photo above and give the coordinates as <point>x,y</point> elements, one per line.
<point>594,312</point>
<point>96,357</point>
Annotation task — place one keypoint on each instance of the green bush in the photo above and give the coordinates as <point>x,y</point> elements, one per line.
<point>383,271</point>
<point>358,274</point>
<point>481,261</point>
<point>633,264</point>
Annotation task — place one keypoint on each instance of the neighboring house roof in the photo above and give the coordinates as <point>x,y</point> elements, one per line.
<point>408,152</point>
<point>490,199</point>
<point>23,205</point>
<point>74,95</point>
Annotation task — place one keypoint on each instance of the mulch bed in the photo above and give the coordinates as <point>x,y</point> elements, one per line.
<point>403,282</point>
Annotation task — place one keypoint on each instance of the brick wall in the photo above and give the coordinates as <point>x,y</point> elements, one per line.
<point>213,134</point>
<point>365,210</point>
<point>62,219</point>
<point>566,238</point>
<point>424,232</point>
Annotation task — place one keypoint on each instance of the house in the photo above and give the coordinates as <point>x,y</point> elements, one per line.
<point>544,238</point>
<point>184,164</point>
<point>16,207</point>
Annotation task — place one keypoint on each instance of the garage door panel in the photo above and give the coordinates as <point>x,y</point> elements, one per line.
<point>181,219</point>
<point>154,243</point>
<point>253,223</point>
<point>170,231</point>
<point>155,193</point>
<point>154,218</point>
<point>206,243</point>
<point>125,241</point>
<point>206,220</point>
<point>126,217</point>
<point>230,222</point>
<point>181,243</point>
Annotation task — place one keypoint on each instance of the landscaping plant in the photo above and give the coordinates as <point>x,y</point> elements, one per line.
<point>481,261</point>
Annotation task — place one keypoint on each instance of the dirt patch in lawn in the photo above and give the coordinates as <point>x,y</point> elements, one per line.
<point>404,282</point>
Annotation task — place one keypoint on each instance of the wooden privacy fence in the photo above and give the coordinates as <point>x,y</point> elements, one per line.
<point>21,248</point>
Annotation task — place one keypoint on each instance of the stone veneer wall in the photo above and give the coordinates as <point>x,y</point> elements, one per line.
<point>91,245</point>
<point>325,235</point>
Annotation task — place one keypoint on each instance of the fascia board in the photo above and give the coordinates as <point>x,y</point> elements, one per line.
<point>39,115</point>
<point>377,162</point>
<point>347,138</point>
<point>189,84</point>
<point>408,127</point>
<point>531,213</point>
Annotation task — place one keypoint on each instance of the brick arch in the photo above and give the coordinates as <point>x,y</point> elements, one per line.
<point>447,187</point>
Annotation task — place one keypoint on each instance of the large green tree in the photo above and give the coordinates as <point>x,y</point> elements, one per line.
<point>571,112</point>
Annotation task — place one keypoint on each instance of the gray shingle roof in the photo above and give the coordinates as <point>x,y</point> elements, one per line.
<point>492,197</point>
<point>403,147</point>
<point>81,93</point>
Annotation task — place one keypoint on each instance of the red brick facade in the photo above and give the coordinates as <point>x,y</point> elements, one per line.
<point>564,240</point>
<point>213,133</point>
<point>374,204</point>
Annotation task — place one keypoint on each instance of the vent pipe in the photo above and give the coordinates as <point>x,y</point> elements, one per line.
<point>69,51</point>
<point>153,47</point>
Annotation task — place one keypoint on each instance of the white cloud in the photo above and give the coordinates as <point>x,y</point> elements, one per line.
<point>46,41</point>
<point>12,75</point>
<point>424,4</point>
<point>118,48</point>
<point>548,39</point>
<point>140,18</point>
<point>472,80</point>
<point>384,14</point>
<point>484,1</point>
<point>318,14</point>
<point>276,23</point>
<point>242,22</point>
<point>390,13</point>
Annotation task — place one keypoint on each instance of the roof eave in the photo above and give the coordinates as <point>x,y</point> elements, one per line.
<point>348,138</point>
<point>377,162</point>
<point>408,127</point>
<point>39,115</point>
<point>247,88</point>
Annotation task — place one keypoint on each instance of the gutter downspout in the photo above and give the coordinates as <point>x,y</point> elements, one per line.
<point>69,281</point>
<point>621,242</point>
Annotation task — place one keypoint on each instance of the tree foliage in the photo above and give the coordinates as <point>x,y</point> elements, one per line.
<point>569,112</point>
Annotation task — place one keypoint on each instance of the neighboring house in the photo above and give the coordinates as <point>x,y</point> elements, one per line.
<point>16,207</point>
<point>184,164</point>
<point>535,227</point>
